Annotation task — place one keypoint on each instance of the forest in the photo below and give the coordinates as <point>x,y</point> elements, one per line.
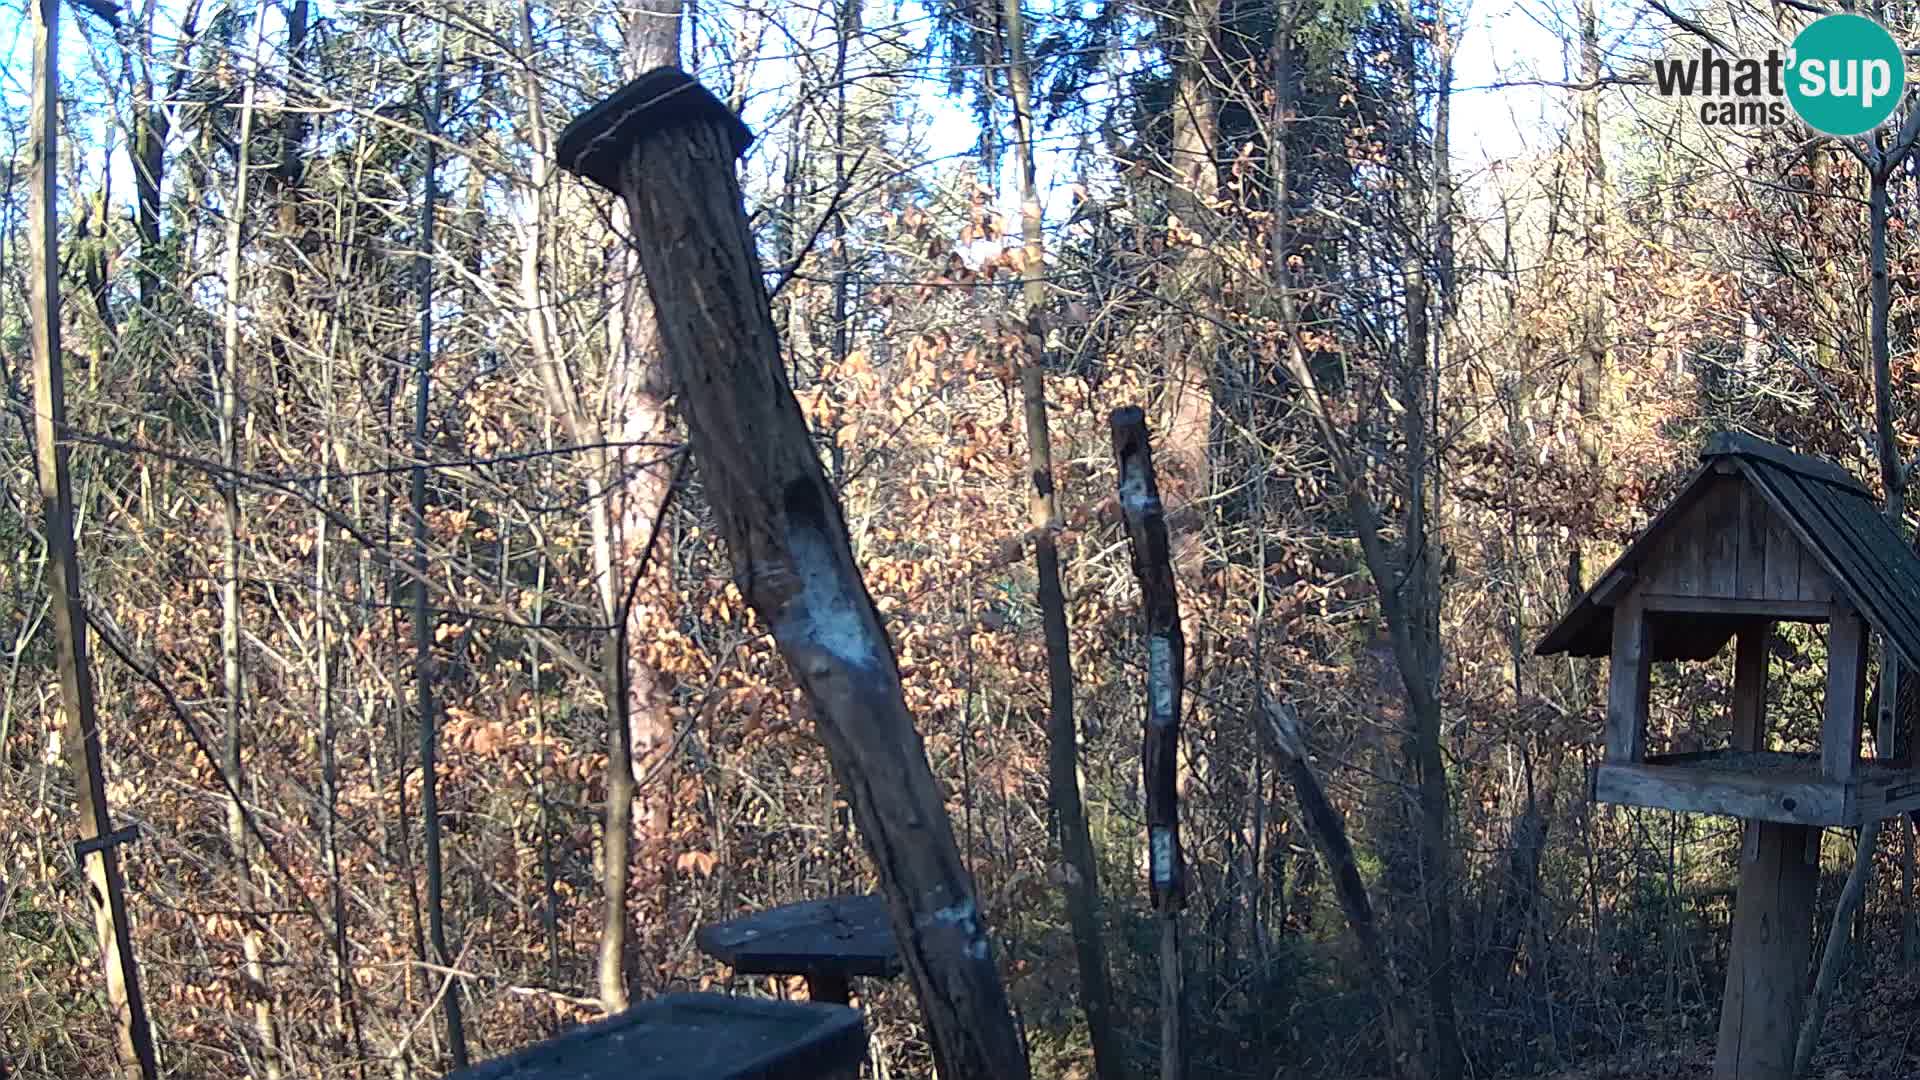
<point>381,690</point>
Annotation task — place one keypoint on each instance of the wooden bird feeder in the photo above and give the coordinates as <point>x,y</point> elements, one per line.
<point>827,941</point>
<point>696,1037</point>
<point>1759,535</point>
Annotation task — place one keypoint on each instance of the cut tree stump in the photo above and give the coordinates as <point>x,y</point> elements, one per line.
<point>826,941</point>
<point>696,1037</point>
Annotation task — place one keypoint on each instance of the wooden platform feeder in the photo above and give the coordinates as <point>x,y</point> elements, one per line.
<point>696,1037</point>
<point>826,941</point>
<point>1759,535</point>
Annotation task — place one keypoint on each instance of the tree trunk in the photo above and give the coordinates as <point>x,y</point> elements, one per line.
<point>1082,886</point>
<point>423,665</point>
<point>1192,341</point>
<point>133,1038</point>
<point>230,646</point>
<point>667,146</point>
<point>639,725</point>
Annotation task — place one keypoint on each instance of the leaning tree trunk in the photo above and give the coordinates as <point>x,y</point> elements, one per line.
<point>1279,730</point>
<point>667,146</point>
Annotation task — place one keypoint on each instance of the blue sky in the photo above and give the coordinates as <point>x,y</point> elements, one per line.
<point>1500,41</point>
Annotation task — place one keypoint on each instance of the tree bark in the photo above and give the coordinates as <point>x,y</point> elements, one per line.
<point>667,146</point>
<point>106,891</point>
<point>1082,886</point>
<point>1166,685</point>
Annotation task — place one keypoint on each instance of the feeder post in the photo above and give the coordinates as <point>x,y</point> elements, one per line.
<point>1629,677</point>
<point>1846,691</point>
<point>667,146</point>
<point>1767,957</point>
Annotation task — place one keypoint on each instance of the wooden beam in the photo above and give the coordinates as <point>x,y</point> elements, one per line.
<point>1888,798</point>
<point>1846,690</point>
<point>1750,686</point>
<point>1628,679</point>
<point>1755,796</point>
<point>1617,581</point>
<point>1794,610</point>
<point>1767,962</point>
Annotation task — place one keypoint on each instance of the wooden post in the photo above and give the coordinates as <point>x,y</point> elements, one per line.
<point>97,850</point>
<point>1166,682</point>
<point>1846,690</point>
<point>1629,675</point>
<point>1767,963</point>
<point>667,146</point>
<point>1750,686</point>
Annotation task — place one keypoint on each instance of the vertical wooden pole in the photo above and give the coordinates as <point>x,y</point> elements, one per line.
<point>1750,686</point>
<point>106,892</point>
<point>1846,690</point>
<point>667,146</point>
<point>1629,677</point>
<point>1767,966</point>
<point>1166,683</point>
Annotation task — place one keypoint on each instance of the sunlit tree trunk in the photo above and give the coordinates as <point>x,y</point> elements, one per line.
<point>133,1038</point>
<point>230,633</point>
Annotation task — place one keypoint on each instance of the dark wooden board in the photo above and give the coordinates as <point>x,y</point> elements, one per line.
<point>838,936</point>
<point>695,1037</point>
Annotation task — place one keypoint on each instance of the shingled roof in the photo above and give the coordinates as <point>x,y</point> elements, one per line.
<point>1834,516</point>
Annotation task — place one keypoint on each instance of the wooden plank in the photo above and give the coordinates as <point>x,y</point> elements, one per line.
<point>1846,691</point>
<point>1885,717</point>
<point>1767,962</point>
<point>1717,523</point>
<point>1753,514</point>
<point>1885,798</point>
<point>1750,687</point>
<point>695,1037</point>
<point>833,937</point>
<point>1782,580</point>
<point>1816,585</point>
<point>1612,584</point>
<point>1629,677</point>
<point>1724,443</point>
<point>1731,794</point>
<point>1793,610</point>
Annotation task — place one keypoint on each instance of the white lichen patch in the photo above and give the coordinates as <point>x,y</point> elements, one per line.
<point>1161,704</point>
<point>825,613</point>
<point>1160,839</point>
<point>962,918</point>
<point>1135,497</point>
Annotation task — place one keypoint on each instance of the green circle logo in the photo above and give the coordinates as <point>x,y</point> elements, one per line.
<point>1846,75</point>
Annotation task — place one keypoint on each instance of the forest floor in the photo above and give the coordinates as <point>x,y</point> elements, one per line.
<point>1872,1033</point>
